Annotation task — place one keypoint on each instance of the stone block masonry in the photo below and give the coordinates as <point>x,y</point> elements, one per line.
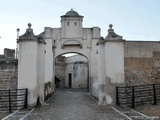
<point>8,74</point>
<point>142,63</point>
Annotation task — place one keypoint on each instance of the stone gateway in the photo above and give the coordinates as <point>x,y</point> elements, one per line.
<point>99,64</point>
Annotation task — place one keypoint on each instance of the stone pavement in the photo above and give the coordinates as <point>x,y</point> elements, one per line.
<point>71,104</point>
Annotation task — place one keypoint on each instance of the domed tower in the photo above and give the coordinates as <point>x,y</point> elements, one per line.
<point>71,25</point>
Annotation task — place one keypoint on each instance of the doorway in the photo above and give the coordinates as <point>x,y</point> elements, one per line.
<point>70,80</point>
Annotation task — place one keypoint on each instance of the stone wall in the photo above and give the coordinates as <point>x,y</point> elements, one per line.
<point>75,67</point>
<point>80,74</point>
<point>8,74</point>
<point>60,74</point>
<point>60,68</point>
<point>142,63</point>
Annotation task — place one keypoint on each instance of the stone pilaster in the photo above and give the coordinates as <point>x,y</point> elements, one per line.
<point>41,69</point>
<point>101,72</point>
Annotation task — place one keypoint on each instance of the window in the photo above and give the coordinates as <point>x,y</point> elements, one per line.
<point>68,23</point>
<point>75,23</point>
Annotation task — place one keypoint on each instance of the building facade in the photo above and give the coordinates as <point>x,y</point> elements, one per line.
<point>101,63</point>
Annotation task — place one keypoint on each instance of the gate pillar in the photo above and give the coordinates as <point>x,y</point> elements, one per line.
<point>28,60</point>
<point>112,67</point>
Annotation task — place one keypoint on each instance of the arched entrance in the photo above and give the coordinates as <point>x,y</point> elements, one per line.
<point>71,71</point>
<point>39,53</point>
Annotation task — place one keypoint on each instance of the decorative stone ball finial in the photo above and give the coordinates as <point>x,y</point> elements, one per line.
<point>110,26</point>
<point>18,29</point>
<point>29,25</point>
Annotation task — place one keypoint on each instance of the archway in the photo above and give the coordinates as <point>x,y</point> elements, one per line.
<point>71,71</point>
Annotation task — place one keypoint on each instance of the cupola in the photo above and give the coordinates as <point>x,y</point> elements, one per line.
<point>72,13</point>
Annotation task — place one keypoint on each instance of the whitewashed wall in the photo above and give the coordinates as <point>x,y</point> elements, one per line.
<point>77,66</point>
<point>27,70</point>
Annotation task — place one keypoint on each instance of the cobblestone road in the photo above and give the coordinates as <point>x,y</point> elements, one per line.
<point>70,104</point>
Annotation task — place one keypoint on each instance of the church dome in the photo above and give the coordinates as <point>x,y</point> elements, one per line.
<point>71,13</point>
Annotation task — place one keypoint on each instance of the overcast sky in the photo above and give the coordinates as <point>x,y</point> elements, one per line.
<point>132,19</point>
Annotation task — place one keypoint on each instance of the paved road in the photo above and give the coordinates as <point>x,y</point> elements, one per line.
<point>70,104</point>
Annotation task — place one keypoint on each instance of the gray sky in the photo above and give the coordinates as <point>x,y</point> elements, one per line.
<point>132,19</point>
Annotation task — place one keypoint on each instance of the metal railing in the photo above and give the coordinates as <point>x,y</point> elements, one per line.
<point>137,95</point>
<point>11,100</point>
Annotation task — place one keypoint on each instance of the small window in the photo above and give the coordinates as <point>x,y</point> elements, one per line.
<point>75,23</point>
<point>68,23</point>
